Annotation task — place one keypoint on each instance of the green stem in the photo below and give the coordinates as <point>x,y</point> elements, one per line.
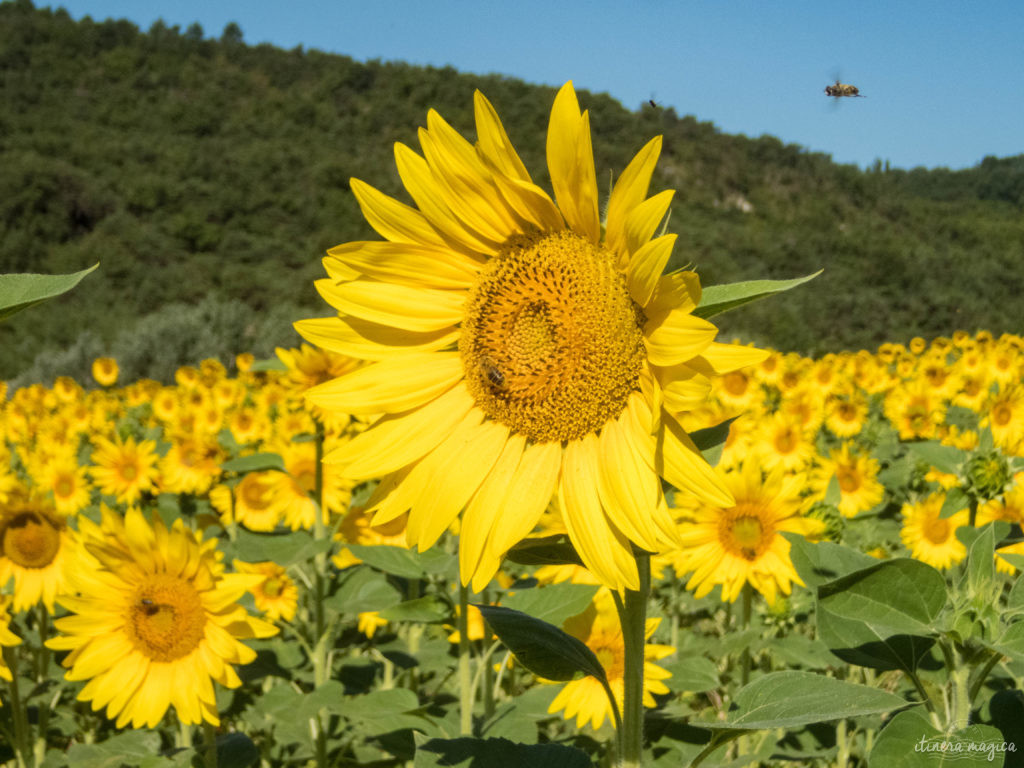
<point>748,604</point>
<point>42,675</point>
<point>209,746</point>
<point>961,697</point>
<point>322,633</point>
<point>22,750</point>
<point>979,681</point>
<point>465,675</point>
<point>633,617</point>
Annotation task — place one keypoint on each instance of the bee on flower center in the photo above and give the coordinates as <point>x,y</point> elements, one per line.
<point>492,373</point>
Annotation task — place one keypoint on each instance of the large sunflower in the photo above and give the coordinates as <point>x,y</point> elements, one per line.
<point>521,348</point>
<point>155,622</point>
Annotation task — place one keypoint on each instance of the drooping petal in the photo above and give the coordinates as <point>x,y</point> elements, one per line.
<point>406,263</point>
<point>396,440</point>
<point>390,386</point>
<point>683,466</point>
<point>628,486</point>
<point>452,473</point>
<point>528,496</point>
<point>676,336</point>
<point>603,549</point>
<point>724,358</point>
<point>366,340</point>
<point>403,306</point>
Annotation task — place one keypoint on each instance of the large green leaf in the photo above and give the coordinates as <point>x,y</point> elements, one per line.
<point>255,462</point>
<point>363,590</point>
<point>910,740</point>
<point>716,299</point>
<point>407,563</point>
<point>545,550</point>
<point>819,562</point>
<point>283,548</point>
<point>945,458</point>
<point>542,648</point>
<point>554,603</point>
<point>792,699</point>
<point>883,616</point>
<point>21,291</point>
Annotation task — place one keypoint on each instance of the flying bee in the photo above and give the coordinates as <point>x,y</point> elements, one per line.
<point>840,90</point>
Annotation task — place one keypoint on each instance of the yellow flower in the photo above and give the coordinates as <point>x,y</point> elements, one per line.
<point>124,468</point>
<point>67,481</point>
<point>781,441</point>
<point>276,596</point>
<point>598,627</point>
<point>859,489</point>
<point>156,624</point>
<point>190,466</point>
<point>36,550</point>
<point>520,349</point>
<point>1004,415</point>
<point>741,544</point>
<point>7,639</point>
<point>846,414</point>
<point>105,371</point>
<point>369,622</point>
<point>253,503</point>
<point>929,537</point>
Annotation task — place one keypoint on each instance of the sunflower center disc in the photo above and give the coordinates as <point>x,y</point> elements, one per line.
<point>30,540</point>
<point>744,531</point>
<point>166,618</point>
<point>552,343</point>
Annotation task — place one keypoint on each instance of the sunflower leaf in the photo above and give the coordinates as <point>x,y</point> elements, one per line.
<point>910,740</point>
<point>793,698</point>
<point>716,299</point>
<point>711,440</point>
<point>554,603</point>
<point>884,616</point>
<point>256,462</point>
<point>547,550</point>
<point>407,563</point>
<point>542,648</point>
<point>21,291</point>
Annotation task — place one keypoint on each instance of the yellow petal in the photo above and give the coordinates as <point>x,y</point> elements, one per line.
<point>646,266</point>
<point>482,511</point>
<point>643,221</point>
<point>724,358</point>
<point>683,388</point>
<point>604,550</point>
<point>628,486</point>
<point>530,203</point>
<point>365,340</point>
<point>390,386</point>
<point>464,181</point>
<point>677,290</point>
<point>402,306</point>
<point>451,474</point>
<point>494,143</point>
<point>392,219</point>
<point>396,440</point>
<point>424,265</point>
<point>674,337</point>
<point>629,191</point>
<point>684,467</point>
<point>423,188</point>
<point>571,164</point>
<point>528,496</point>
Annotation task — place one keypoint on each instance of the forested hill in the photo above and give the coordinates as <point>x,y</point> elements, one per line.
<point>204,172</point>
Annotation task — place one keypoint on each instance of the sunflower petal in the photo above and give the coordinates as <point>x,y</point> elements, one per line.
<point>643,221</point>
<point>406,263</point>
<point>646,266</point>
<point>571,164</point>
<point>603,549</point>
<point>366,340</point>
<point>402,306</point>
<point>724,358</point>
<point>674,337</point>
<point>629,191</point>
<point>494,143</point>
<point>393,220</point>
<point>683,466</point>
<point>396,440</point>
<point>390,386</point>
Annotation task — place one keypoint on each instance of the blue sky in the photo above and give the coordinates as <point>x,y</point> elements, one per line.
<point>942,79</point>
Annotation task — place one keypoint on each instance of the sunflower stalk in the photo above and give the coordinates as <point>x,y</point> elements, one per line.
<point>633,617</point>
<point>466,686</point>
<point>19,715</point>
<point>321,666</point>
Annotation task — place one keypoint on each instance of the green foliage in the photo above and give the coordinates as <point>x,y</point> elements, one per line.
<point>195,166</point>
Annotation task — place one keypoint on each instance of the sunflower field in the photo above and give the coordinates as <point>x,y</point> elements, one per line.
<point>515,506</point>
